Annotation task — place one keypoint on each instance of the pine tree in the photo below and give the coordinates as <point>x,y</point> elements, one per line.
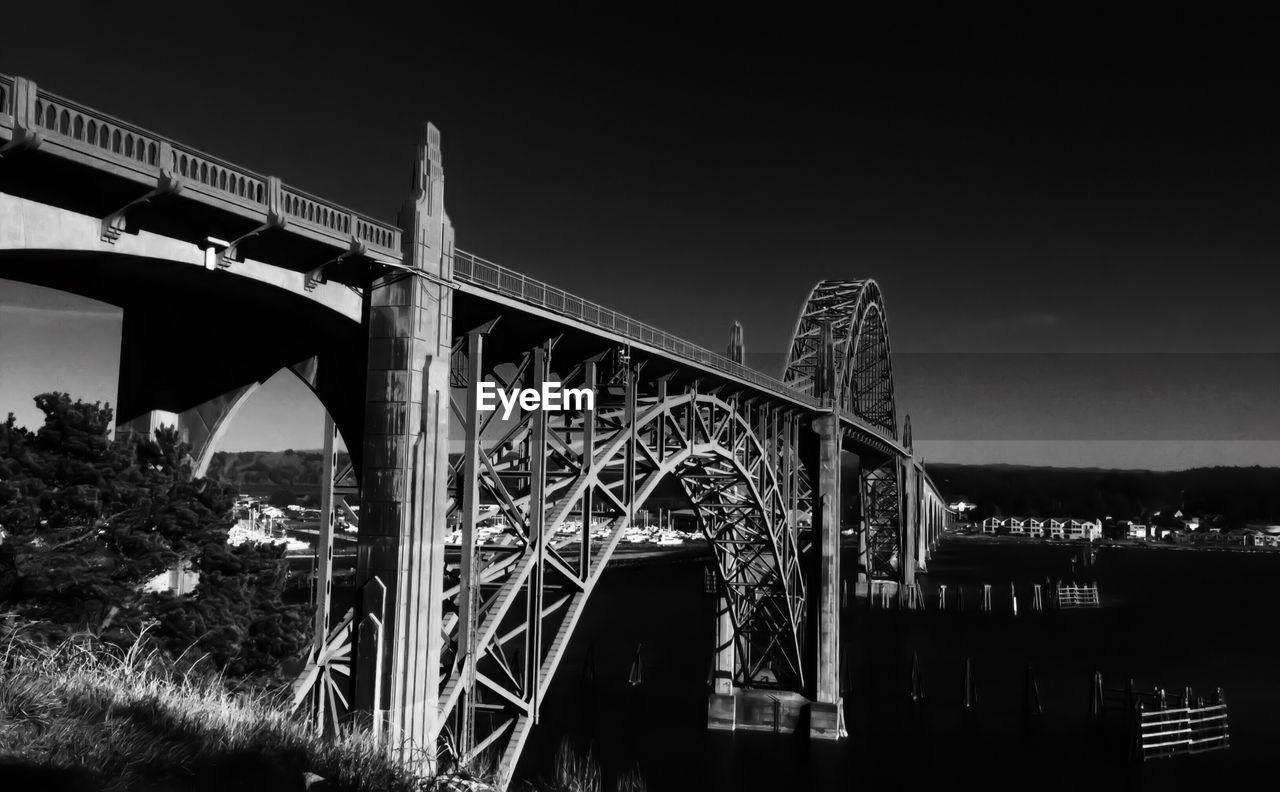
<point>85,521</point>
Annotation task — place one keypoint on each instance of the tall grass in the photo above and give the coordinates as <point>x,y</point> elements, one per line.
<point>574,772</point>
<point>132,719</point>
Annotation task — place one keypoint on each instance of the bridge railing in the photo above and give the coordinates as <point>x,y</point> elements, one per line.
<point>470,268</point>
<point>96,137</point>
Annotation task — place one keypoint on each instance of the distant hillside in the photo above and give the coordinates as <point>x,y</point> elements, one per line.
<point>1240,494</point>
<point>270,472</point>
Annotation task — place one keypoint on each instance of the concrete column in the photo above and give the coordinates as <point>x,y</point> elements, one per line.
<point>406,443</point>
<point>725,654</point>
<point>909,515</point>
<point>826,714</point>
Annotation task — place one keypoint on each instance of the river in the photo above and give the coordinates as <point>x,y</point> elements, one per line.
<point>1169,618</point>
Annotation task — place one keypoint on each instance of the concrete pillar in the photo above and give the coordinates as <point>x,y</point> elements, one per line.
<point>722,704</point>
<point>826,714</point>
<point>909,515</point>
<point>406,443</point>
<point>725,650</point>
<point>201,426</point>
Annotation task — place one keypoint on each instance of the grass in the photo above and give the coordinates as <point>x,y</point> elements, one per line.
<point>577,772</point>
<point>85,716</point>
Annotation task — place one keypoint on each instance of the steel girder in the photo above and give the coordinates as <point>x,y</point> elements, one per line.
<point>548,476</point>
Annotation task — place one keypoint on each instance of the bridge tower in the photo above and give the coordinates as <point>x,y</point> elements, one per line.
<point>400,565</point>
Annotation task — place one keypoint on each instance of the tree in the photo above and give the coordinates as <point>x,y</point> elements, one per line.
<point>87,521</point>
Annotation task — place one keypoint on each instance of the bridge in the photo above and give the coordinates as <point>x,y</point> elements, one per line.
<point>226,276</point>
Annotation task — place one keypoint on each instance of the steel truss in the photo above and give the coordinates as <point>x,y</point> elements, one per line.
<point>882,520</point>
<point>516,596</point>
<point>323,689</point>
<point>862,382</point>
<point>840,352</point>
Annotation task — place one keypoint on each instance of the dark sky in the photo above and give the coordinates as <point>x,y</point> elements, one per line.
<point>1105,196</point>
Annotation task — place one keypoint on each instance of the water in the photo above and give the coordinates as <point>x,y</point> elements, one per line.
<point>1170,618</point>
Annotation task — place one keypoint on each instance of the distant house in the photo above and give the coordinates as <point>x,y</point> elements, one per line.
<point>1092,529</point>
<point>1017,525</point>
<point>1138,531</point>
<point>990,524</point>
<point>1057,528</point>
<point>1242,537</point>
<point>1035,527</point>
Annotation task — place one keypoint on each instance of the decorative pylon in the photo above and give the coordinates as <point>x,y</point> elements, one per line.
<point>737,350</point>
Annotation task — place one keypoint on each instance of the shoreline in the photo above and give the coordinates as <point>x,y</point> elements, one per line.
<point>1119,544</point>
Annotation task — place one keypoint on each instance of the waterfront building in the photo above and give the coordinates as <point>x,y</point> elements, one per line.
<point>1057,528</point>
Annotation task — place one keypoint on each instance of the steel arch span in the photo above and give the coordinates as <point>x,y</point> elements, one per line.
<point>859,376</point>
<point>518,595</point>
<point>840,353</point>
<point>563,487</point>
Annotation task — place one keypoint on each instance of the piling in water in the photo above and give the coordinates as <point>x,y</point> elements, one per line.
<point>1031,709</point>
<point>589,665</point>
<point>970,687</point>
<point>917,682</point>
<point>1096,703</point>
<point>636,676</point>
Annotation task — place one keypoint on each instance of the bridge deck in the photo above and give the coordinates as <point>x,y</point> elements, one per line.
<point>72,132</point>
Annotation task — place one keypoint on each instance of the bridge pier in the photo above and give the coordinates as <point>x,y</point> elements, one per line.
<point>909,553</point>
<point>405,477</point>
<point>826,713</point>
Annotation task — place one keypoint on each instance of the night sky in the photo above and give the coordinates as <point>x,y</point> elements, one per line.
<point>692,172</point>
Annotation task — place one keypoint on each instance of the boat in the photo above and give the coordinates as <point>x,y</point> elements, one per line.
<point>668,538</point>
